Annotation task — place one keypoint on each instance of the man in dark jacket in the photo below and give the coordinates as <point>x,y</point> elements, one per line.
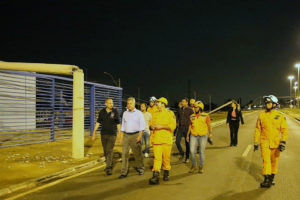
<point>183,118</point>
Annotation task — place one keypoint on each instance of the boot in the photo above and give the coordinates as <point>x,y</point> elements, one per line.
<point>193,169</point>
<point>166,175</point>
<point>272,179</point>
<point>200,170</point>
<point>267,182</point>
<point>155,178</point>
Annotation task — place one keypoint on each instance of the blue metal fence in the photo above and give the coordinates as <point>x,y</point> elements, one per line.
<point>37,108</point>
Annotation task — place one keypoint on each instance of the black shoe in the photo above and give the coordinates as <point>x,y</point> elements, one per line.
<point>166,175</point>
<point>108,171</point>
<point>181,157</point>
<point>155,178</point>
<point>267,182</point>
<point>139,170</point>
<point>124,175</point>
<point>272,179</point>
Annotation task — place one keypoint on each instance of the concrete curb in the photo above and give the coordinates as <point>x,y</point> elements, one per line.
<point>49,178</point>
<point>297,120</point>
<point>66,172</point>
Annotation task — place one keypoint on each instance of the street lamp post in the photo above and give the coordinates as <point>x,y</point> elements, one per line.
<point>295,88</point>
<point>291,83</point>
<point>112,78</point>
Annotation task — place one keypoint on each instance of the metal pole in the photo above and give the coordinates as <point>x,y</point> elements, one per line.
<point>112,78</point>
<point>138,96</point>
<point>209,103</point>
<point>52,110</point>
<point>92,108</point>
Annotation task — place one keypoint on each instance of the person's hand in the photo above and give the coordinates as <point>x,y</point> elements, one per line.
<point>138,139</point>
<point>282,146</point>
<point>151,127</point>
<point>255,147</point>
<point>93,137</point>
<point>187,138</point>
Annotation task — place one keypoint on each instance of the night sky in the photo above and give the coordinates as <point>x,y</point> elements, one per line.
<point>227,49</point>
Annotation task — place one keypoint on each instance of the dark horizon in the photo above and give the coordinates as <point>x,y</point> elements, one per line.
<point>227,50</point>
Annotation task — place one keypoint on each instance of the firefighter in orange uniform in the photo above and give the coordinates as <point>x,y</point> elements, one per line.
<point>162,126</point>
<point>271,132</point>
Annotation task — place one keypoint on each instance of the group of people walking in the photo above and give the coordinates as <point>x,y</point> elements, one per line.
<point>154,126</point>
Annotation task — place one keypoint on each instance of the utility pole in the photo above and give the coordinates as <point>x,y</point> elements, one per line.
<point>139,96</point>
<point>209,102</point>
<point>189,89</point>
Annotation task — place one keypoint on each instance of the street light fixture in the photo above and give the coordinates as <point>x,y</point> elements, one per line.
<point>112,78</point>
<point>291,83</point>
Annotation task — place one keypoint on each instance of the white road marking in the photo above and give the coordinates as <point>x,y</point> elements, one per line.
<point>247,150</point>
<point>54,183</point>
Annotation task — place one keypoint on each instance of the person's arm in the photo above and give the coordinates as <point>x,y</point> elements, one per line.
<point>284,129</point>
<point>228,117</point>
<point>98,123</point>
<point>94,131</point>
<point>120,137</point>
<point>188,134</point>
<point>257,133</point>
<point>170,126</point>
<point>141,126</point>
<point>241,116</point>
<point>209,126</point>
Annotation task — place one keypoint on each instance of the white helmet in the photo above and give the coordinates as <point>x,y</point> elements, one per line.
<point>271,98</point>
<point>153,98</point>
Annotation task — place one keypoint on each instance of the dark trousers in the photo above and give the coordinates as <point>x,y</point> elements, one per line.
<point>108,143</point>
<point>234,128</point>
<point>182,132</point>
<point>129,141</point>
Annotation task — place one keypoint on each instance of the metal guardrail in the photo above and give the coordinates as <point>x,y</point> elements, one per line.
<point>36,108</point>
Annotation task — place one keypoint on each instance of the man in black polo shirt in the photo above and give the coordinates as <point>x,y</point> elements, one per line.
<point>110,121</point>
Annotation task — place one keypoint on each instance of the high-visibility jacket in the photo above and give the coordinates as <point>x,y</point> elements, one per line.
<point>200,124</point>
<point>271,129</point>
<point>152,110</point>
<point>164,117</point>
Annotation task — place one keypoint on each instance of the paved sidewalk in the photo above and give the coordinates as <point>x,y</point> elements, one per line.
<point>24,163</point>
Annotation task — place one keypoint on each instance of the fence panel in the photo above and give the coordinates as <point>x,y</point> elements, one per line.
<point>37,108</point>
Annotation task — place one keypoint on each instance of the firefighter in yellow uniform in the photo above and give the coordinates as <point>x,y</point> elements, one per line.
<point>271,132</point>
<point>198,134</point>
<point>162,126</point>
<point>152,109</point>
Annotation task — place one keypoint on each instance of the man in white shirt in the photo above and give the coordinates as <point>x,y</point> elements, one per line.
<point>133,125</point>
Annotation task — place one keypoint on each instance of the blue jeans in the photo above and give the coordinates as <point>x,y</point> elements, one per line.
<point>146,138</point>
<point>194,142</point>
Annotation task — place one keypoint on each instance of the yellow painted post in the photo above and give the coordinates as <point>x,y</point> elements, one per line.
<point>78,115</point>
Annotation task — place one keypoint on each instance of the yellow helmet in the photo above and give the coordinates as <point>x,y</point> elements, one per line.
<point>192,101</point>
<point>163,100</point>
<point>199,104</point>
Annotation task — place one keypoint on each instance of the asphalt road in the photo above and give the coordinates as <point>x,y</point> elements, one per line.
<point>230,173</point>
